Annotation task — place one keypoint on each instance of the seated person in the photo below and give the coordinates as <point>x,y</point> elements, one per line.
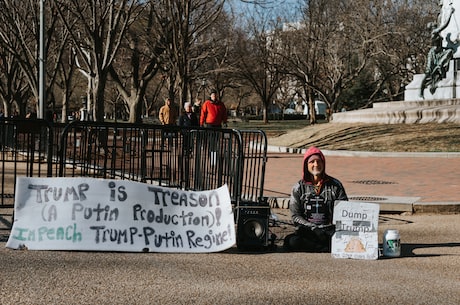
<point>312,205</point>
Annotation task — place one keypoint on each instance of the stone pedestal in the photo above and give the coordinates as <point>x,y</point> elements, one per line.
<point>440,107</point>
<point>404,112</point>
<point>447,88</point>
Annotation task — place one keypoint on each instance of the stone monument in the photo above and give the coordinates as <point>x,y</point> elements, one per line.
<point>431,97</point>
<point>440,80</point>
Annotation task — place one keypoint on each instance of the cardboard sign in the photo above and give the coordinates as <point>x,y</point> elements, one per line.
<point>356,225</point>
<point>119,215</point>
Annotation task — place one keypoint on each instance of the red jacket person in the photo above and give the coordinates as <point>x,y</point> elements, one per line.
<point>213,112</point>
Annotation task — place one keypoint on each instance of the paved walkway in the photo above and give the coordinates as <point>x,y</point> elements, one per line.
<point>407,180</point>
<point>426,273</point>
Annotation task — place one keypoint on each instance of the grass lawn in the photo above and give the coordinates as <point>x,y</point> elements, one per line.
<point>272,128</point>
<point>432,137</point>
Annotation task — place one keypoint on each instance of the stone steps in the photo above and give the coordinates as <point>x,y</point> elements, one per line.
<point>404,112</point>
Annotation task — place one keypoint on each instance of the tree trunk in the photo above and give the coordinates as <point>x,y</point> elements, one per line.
<point>135,108</point>
<point>64,107</point>
<point>99,90</point>
<point>264,114</point>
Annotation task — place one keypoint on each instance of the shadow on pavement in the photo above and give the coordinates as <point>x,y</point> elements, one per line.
<point>407,250</point>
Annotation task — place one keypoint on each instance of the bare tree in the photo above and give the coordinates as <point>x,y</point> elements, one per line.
<point>97,28</point>
<point>402,45</point>
<point>186,22</point>
<point>329,49</point>
<point>142,57</point>
<point>214,56</point>
<point>13,87</point>
<point>345,52</point>
<point>356,51</point>
<point>19,36</point>
<point>260,64</point>
<point>65,80</point>
<point>300,51</point>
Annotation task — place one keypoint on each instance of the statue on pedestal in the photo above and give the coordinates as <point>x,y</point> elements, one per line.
<point>438,57</point>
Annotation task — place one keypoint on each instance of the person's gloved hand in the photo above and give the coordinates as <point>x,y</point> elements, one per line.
<point>329,230</point>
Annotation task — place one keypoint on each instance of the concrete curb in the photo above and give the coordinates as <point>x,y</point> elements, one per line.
<point>391,207</point>
<point>437,207</point>
<point>347,153</point>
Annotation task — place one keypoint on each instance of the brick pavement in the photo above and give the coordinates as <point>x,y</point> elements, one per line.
<point>433,179</point>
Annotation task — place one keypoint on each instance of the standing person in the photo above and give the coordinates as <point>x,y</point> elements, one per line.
<point>196,108</point>
<point>312,205</point>
<point>213,112</point>
<point>188,118</point>
<point>168,113</point>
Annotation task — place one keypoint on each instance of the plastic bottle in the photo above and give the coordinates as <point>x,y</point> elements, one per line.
<point>391,243</point>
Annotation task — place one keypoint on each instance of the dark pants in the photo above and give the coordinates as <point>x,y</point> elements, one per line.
<point>212,125</point>
<point>307,240</point>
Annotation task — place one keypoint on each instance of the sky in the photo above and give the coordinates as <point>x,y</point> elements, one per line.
<point>287,7</point>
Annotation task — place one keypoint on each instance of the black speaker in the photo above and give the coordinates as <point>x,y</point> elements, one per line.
<point>252,228</point>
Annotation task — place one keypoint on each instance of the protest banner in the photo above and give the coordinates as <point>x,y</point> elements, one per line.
<point>119,215</point>
<point>356,230</point>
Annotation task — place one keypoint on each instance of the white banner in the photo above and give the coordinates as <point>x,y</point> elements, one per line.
<point>119,215</point>
<point>356,230</point>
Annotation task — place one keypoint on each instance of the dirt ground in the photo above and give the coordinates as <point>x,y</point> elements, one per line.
<point>373,137</point>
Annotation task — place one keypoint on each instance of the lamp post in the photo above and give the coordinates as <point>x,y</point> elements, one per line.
<point>41,81</point>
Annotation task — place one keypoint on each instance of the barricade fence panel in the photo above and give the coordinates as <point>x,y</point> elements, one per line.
<point>214,158</point>
<point>101,150</point>
<point>255,159</point>
<point>57,129</point>
<point>185,158</point>
<point>163,156</point>
<point>26,150</point>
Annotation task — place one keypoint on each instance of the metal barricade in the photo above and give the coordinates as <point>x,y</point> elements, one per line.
<point>101,150</point>
<point>214,158</point>
<point>254,163</point>
<point>26,150</point>
<point>184,158</point>
<point>162,156</point>
<point>57,129</point>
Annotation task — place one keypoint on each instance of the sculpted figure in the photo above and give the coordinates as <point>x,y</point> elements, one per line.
<point>438,57</point>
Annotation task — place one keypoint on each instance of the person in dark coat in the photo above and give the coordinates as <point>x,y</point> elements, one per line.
<point>188,118</point>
